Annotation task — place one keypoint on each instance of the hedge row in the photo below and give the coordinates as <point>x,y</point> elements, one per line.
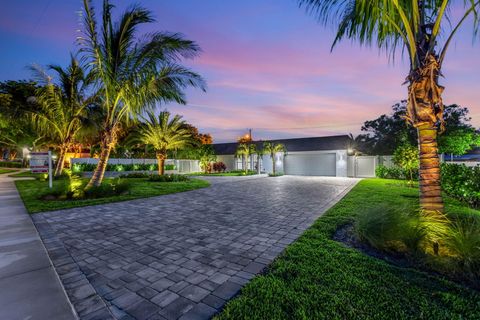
<point>462,182</point>
<point>87,167</point>
<point>10,164</point>
<point>458,180</point>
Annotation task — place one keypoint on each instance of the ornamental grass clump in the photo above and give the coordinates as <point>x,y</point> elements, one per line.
<point>450,246</point>
<point>391,229</point>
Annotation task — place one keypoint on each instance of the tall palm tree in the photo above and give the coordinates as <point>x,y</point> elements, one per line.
<point>420,27</point>
<point>245,150</point>
<point>63,106</point>
<point>272,149</point>
<point>164,134</point>
<point>133,73</point>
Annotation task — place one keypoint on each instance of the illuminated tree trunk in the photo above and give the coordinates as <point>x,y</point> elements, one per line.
<point>60,161</point>
<point>161,163</point>
<point>273,163</point>
<point>425,112</point>
<point>107,143</point>
<point>429,171</point>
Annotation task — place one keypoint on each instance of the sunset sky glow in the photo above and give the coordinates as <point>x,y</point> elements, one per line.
<point>267,63</point>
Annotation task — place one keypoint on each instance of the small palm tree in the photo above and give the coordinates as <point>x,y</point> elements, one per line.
<point>245,150</point>
<point>421,28</point>
<point>164,134</point>
<point>133,73</point>
<point>272,149</point>
<point>63,106</point>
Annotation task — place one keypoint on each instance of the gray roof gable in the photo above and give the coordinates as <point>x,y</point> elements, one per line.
<point>340,142</point>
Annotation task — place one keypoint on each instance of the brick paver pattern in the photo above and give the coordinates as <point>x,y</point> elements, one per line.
<point>181,255</point>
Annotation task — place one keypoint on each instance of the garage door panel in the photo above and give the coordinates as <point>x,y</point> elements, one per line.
<point>311,164</point>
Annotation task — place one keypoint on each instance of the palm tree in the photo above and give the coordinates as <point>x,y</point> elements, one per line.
<point>164,134</point>
<point>259,152</point>
<point>272,149</point>
<point>417,26</point>
<point>63,106</point>
<point>245,150</point>
<point>133,74</point>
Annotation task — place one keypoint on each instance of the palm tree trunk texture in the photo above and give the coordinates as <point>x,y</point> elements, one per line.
<point>161,163</point>
<point>425,111</point>
<point>99,172</point>
<point>273,164</point>
<point>60,162</point>
<point>429,172</point>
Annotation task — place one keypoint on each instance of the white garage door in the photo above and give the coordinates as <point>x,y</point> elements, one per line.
<point>311,164</point>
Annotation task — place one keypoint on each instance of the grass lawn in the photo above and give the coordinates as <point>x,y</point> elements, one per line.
<point>2,170</point>
<point>26,174</point>
<point>319,278</point>
<point>32,190</point>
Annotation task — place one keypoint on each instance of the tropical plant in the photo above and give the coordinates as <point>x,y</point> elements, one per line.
<point>206,155</point>
<point>64,106</point>
<point>164,134</point>
<point>406,157</point>
<point>245,150</point>
<point>272,149</point>
<point>416,26</point>
<point>133,73</point>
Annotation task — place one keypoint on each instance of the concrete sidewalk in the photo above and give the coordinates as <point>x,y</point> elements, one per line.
<point>29,286</point>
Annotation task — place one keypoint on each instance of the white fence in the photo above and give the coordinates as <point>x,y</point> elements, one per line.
<point>182,165</point>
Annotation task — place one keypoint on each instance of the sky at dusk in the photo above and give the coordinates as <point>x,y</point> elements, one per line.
<point>267,63</point>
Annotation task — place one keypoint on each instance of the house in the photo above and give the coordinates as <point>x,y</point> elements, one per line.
<point>315,156</point>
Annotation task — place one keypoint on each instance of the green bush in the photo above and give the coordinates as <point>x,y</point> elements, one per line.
<point>413,234</point>
<point>391,229</point>
<point>385,172</point>
<point>10,164</point>
<point>463,242</point>
<point>168,178</point>
<point>88,167</point>
<point>135,175</point>
<point>462,182</point>
<point>107,189</point>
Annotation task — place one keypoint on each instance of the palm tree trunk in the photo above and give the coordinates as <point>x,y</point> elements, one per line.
<point>161,163</point>
<point>60,161</point>
<point>425,111</point>
<point>429,173</point>
<point>106,148</point>
<point>273,165</point>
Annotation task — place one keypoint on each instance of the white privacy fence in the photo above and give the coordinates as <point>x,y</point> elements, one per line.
<point>181,165</point>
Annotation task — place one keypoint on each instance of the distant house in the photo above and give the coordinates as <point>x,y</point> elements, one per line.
<point>315,156</point>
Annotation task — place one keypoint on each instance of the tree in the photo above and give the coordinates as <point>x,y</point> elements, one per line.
<point>272,149</point>
<point>259,151</point>
<point>415,25</point>
<point>63,106</point>
<point>406,157</point>
<point>17,101</point>
<point>386,133</point>
<point>206,155</point>
<point>245,150</point>
<point>133,73</point>
<point>164,134</point>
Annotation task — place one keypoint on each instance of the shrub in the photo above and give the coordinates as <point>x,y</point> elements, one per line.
<point>169,167</point>
<point>107,189</point>
<point>135,175</point>
<point>219,166</point>
<point>10,164</point>
<point>406,157</point>
<point>168,178</point>
<point>462,182</point>
<point>463,242</point>
<point>392,172</point>
<point>277,174</point>
<point>391,229</point>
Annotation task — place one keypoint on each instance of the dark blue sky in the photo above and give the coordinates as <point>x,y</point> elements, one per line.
<point>268,64</point>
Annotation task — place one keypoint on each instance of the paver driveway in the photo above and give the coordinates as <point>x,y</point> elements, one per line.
<point>180,255</point>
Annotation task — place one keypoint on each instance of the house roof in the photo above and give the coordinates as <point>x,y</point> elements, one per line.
<point>297,144</point>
